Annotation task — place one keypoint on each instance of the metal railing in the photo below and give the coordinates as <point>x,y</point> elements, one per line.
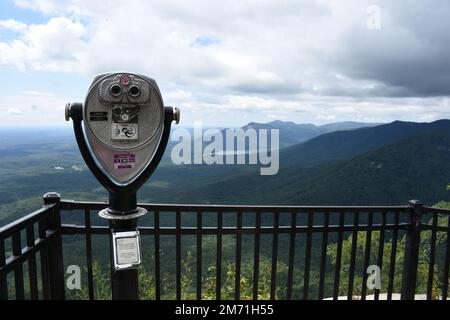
<point>294,252</point>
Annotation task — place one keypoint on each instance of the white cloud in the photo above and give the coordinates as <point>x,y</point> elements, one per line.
<point>253,41</point>
<point>14,112</point>
<point>177,96</point>
<point>37,109</point>
<point>45,46</point>
<point>45,6</point>
<point>12,24</point>
<point>299,60</point>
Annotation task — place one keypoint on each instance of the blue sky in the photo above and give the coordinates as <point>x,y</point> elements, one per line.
<point>11,11</point>
<point>299,60</point>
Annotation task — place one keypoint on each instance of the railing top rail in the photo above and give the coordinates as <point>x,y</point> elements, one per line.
<point>436,210</point>
<point>77,205</point>
<point>23,222</point>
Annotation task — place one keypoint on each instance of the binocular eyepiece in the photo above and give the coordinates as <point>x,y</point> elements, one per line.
<point>133,91</point>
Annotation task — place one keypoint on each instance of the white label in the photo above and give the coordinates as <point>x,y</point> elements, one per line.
<point>124,131</point>
<point>127,250</point>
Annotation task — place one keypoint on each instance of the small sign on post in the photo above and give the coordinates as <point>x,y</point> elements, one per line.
<point>126,249</point>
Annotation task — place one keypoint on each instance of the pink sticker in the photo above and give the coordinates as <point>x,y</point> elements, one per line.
<point>124,161</point>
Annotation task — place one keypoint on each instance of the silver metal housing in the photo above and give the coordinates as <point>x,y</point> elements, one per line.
<point>123,130</point>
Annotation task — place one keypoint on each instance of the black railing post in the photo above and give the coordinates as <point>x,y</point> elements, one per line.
<point>55,253</point>
<point>412,245</point>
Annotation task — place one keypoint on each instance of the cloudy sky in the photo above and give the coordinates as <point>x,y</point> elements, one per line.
<point>229,63</point>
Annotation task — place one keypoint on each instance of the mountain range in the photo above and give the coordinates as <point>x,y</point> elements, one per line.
<point>358,164</point>
<point>292,133</point>
<point>385,164</point>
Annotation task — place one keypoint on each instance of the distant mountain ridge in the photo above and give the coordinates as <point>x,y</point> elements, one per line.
<point>416,167</point>
<point>339,160</point>
<point>292,133</point>
<point>344,144</point>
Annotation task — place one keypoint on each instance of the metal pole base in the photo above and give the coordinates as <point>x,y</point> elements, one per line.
<point>115,215</point>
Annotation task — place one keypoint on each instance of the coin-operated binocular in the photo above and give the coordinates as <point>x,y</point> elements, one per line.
<point>122,130</point>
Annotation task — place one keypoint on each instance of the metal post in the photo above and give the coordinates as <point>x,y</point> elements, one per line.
<point>124,283</point>
<point>55,253</point>
<point>412,244</point>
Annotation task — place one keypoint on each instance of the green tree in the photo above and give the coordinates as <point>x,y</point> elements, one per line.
<point>101,282</point>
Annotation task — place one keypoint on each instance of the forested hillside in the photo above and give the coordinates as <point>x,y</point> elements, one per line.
<point>385,164</point>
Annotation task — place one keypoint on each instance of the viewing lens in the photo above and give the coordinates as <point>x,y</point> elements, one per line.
<point>115,90</point>
<point>134,91</point>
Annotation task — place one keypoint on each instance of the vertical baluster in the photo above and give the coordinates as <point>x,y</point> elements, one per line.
<point>219,255</point>
<point>18,270</point>
<point>32,270</point>
<point>157,257</point>
<point>381,250</point>
<point>290,277</point>
<point>90,276</point>
<point>446,264</point>
<point>307,256</point>
<point>273,280</point>
<point>367,255</point>
<point>199,255</point>
<point>432,257</point>
<point>3,276</point>
<point>351,274</point>
<point>256,256</point>
<point>323,258</point>
<point>178,255</point>
<point>42,226</point>
<point>237,283</point>
<point>337,274</point>
<point>393,256</point>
